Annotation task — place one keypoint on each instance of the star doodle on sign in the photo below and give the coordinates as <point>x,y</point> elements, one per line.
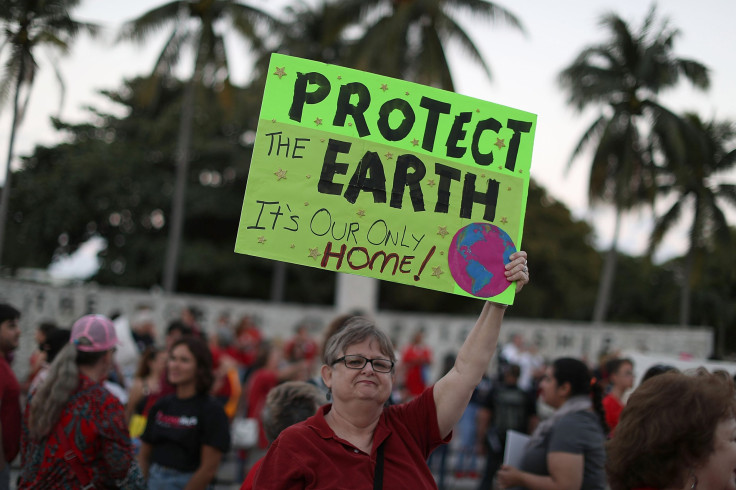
<point>500,143</point>
<point>442,231</point>
<point>280,72</point>
<point>437,271</point>
<point>384,87</point>
<point>407,93</point>
<point>500,167</point>
<point>339,77</point>
<point>508,188</point>
<point>430,182</point>
<point>482,176</point>
<point>309,176</point>
<point>281,174</point>
<point>314,253</point>
<point>273,120</point>
<point>321,140</point>
<point>389,155</point>
<point>318,121</point>
<point>350,124</point>
<point>261,239</point>
<point>477,110</point>
<point>442,253</point>
<point>521,170</point>
<point>306,203</point>
<point>415,142</point>
<point>504,220</point>
<point>292,246</point>
<point>361,213</point>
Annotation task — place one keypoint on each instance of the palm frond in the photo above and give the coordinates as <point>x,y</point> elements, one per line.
<point>485,10</point>
<point>663,224</point>
<point>139,29</point>
<point>451,30</point>
<point>593,132</point>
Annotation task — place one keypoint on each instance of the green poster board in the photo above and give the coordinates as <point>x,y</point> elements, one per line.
<point>360,173</point>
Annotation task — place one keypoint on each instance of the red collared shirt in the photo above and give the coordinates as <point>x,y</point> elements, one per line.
<point>309,455</point>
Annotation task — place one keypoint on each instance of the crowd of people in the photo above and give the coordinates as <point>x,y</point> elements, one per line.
<point>352,411</point>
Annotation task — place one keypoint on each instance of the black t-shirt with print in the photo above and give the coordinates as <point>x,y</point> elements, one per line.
<point>178,428</point>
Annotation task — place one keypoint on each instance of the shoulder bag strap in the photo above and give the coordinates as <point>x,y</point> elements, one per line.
<point>378,476</point>
<point>71,457</point>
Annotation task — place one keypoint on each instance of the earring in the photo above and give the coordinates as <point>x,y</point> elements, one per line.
<point>695,481</point>
<point>329,397</point>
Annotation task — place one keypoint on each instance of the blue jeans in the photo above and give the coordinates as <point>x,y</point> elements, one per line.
<point>5,477</point>
<point>163,478</point>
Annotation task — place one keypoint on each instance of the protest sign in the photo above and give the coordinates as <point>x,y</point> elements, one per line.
<point>360,173</point>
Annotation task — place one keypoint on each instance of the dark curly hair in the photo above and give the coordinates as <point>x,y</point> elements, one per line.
<point>203,357</point>
<point>667,427</point>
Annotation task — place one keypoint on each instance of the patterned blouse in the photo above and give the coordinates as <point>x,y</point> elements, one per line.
<point>94,423</point>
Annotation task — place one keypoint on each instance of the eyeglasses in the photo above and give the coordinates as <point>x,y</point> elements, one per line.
<point>354,361</point>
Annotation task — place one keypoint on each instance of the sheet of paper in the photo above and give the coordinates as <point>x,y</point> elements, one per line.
<point>515,446</point>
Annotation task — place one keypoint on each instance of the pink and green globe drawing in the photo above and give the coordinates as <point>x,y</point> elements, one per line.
<point>477,256</point>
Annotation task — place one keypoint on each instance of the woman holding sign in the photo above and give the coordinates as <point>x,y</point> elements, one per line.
<point>359,442</point>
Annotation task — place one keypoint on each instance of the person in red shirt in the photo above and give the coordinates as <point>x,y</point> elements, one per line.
<point>621,379</point>
<point>74,430</point>
<point>358,439</point>
<point>286,404</point>
<point>416,358</point>
<point>9,393</point>
<point>268,372</point>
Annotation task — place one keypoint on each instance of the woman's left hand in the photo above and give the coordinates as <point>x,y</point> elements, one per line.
<point>518,269</point>
<point>508,476</point>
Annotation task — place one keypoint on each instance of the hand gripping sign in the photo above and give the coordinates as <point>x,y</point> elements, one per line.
<point>360,173</point>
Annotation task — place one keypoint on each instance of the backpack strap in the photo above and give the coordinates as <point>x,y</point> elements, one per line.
<point>378,475</point>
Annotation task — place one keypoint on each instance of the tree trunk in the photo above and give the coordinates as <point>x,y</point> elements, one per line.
<point>685,289</point>
<point>278,282</point>
<point>605,287</point>
<point>5,199</point>
<point>180,187</point>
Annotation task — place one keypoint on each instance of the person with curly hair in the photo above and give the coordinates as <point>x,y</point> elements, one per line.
<point>678,431</point>
<point>186,432</point>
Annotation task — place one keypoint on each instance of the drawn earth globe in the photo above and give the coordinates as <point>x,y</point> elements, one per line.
<point>477,256</point>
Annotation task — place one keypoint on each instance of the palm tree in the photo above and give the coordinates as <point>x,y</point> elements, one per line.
<point>408,38</point>
<point>623,78</point>
<point>28,25</point>
<point>696,153</point>
<point>194,24</point>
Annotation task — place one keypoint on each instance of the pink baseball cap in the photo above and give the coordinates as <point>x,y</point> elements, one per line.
<point>93,333</point>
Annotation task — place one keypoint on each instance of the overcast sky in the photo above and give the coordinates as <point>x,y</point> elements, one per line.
<point>524,68</point>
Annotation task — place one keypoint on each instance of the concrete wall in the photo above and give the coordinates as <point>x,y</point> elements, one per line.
<point>445,333</point>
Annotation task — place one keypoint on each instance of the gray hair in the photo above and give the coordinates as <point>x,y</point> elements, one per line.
<point>54,392</point>
<point>289,403</point>
<point>355,331</point>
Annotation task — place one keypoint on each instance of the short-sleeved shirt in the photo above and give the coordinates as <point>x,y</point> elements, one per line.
<point>93,422</point>
<point>178,428</point>
<point>613,408</point>
<point>309,455</point>
<point>9,410</point>
<point>575,433</point>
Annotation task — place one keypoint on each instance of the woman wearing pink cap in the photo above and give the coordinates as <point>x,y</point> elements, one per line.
<point>74,433</point>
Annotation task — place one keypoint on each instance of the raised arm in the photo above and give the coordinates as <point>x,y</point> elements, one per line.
<point>452,392</point>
